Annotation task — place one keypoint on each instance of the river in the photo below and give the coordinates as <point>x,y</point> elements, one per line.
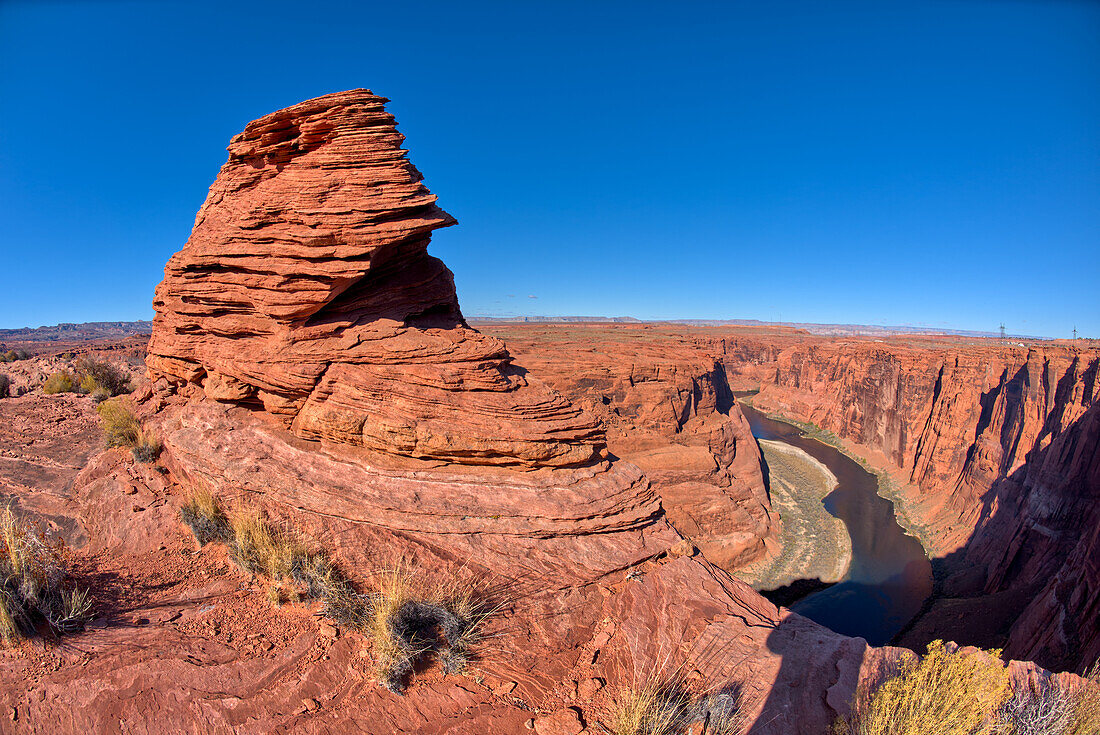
<point>889,578</point>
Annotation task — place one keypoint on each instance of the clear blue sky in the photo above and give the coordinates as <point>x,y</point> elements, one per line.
<point>927,163</point>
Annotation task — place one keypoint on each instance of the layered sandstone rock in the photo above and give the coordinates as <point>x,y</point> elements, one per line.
<point>666,407</point>
<point>306,288</point>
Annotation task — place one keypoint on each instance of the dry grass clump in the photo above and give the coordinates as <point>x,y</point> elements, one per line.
<point>946,693</point>
<point>147,447</point>
<point>410,619</point>
<point>405,617</point>
<point>653,709</point>
<point>660,708</point>
<point>124,430</point>
<point>203,514</point>
<point>33,589</point>
<point>5,385</point>
<point>59,382</point>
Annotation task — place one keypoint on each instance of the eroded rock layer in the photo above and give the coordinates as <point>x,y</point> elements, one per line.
<point>306,287</point>
<point>667,408</point>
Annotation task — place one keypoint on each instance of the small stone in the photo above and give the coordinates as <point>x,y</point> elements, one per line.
<point>311,705</point>
<point>682,548</point>
<point>328,630</point>
<point>601,639</point>
<point>14,714</point>
<point>137,509</point>
<point>530,724</point>
<point>563,722</point>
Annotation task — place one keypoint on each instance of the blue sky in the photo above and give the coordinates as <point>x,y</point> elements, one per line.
<point>925,163</point>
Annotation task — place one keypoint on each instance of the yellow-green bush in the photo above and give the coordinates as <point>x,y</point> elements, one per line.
<point>945,693</point>
<point>59,382</point>
<point>120,423</point>
<point>88,384</point>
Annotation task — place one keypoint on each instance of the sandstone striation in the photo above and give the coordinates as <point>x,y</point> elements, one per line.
<point>306,288</point>
<point>667,408</point>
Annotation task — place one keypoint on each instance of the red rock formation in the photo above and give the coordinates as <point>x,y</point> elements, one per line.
<point>306,287</point>
<point>667,408</point>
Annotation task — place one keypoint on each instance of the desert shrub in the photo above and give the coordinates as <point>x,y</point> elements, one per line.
<point>946,692</point>
<point>32,583</point>
<point>87,385</point>
<point>203,514</point>
<point>96,373</point>
<point>13,355</point>
<point>410,619</point>
<point>59,382</point>
<point>99,395</point>
<point>119,423</point>
<point>405,618</point>
<point>5,385</point>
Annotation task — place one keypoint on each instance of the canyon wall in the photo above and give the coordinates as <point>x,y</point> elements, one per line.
<point>995,450</point>
<point>667,408</point>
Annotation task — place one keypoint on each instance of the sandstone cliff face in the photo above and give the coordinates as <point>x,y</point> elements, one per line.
<point>667,408</point>
<point>306,288</point>
<point>996,448</point>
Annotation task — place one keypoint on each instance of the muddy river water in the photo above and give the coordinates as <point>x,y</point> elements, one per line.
<point>889,578</point>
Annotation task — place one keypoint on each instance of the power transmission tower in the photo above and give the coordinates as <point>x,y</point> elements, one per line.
<point>1002,330</point>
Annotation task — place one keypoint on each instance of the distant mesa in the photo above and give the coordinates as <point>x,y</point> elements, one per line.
<point>306,288</point>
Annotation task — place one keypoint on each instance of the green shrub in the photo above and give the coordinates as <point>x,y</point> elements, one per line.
<point>13,355</point>
<point>5,385</point>
<point>103,374</point>
<point>59,382</point>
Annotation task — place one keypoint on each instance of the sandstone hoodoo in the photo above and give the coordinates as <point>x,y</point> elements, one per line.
<point>306,287</point>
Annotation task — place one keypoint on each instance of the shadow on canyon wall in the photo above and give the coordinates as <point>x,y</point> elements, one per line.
<point>1028,578</point>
